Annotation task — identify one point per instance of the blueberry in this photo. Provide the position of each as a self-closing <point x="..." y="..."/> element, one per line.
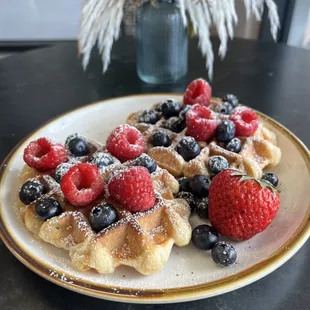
<point x="188" y="148"/>
<point x="224" y="108"/>
<point x="176" y="124"/>
<point x="225" y="131"/>
<point x="216" y="164"/>
<point x="77" y="145"/>
<point x="202" y="208"/>
<point x="232" y="99"/>
<point x="184" y="110"/>
<point x="30" y="191"/>
<point x="272" y="178"/>
<point x="224" y="253"/>
<point x="47" y="208"/>
<point x="184" y="185"/>
<point x="170" y="107"/>
<point x="158" y="107"/>
<point x="60" y="171"/>
<point x="160" y="138"/>
<point x="101" y="160"/>
<point x="200" y="185"/>
<point x="233" y="145"/>
<point x="102" y="216"/>
<point x="148" y="116"/>
<point x="145" y="161"/>
<point x="204" y="237"/>
<point x="189" y="197"/>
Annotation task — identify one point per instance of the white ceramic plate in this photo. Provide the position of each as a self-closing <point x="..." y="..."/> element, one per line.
<point x="190" y="273"/>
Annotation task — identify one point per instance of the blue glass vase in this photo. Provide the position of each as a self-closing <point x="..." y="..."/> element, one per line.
<point x="162" y="43"/>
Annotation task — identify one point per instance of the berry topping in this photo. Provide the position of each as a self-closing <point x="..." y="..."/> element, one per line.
<point x="223" y="253"/>
<point x="43" y="154"/>
<point x="216" y="164"/>
<point x="202" y="208"/>
<point x="133" y="189"/>
<point x="245" y="120"/>
<point x="102" y="160"/>
<point x="102" y="216"/>
<point x="241" y="207"/>
<point x="82" y="184"/>
<point x="175" y="124"/>
<point x="232" y="99"/>
<point x="158" y="107"/>
<point x="160" y="138"/>
<point x="233" y="145"/>
<point x="184" y="185"/>
<point x="271" y="178"/>
<point x="189" y="198"/>
<point x="198" y="91"/>
<point x="47" y="208"/>
<point x="77" y="145"/>
<point x="200" y="185"/>
<point x="224" y="108"/>
<point x="145" y="161"/>
<point x="188" y="148"/>
<point x="125" y="143"/>
<point x="184" y="111"/>
<point x="171" y="107"/>
<point x="148" y="116"/>
<point x="30" y="191"/>
<point x="201" y="123"/>
<point x="204" y="237"/>
<point x="225" y="131"/>
<point x="61" y="170"/>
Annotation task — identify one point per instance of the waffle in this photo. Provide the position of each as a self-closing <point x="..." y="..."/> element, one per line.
<point x="142" y="240"/>
<point x="258" y="151"/>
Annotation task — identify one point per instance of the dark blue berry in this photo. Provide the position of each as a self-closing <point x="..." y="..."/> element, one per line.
<point x="224" y="253"/>
<point x="30" y="191"/>
<point x="202" y="208"/>
<point x="175" y="124"/>
<point x="158" y="107"/>
<point x="160" y="138"/>
<point x="224" y="108"/>
<point x="170" y="107"/>
<point x="232" y="99"/>
<point x="148" y="116"/>
<point x="47" y="208"/>
<point x="184" y="185"/>
<point x="184" y="110"/>
<point x="216" y="164"/>
<point x="225" y="131"/>
<point x="204" y="237"/>
<point x="77" y="145"/>
<point x="145" y="161"/>
<point x="189" y="198"/>
<point x="200" y="185"/>
<point x="233" y="145"/>
<point x="272" y="178"/>
<point x="61" y="170"/>
<point x="102" y="216"/>
<point x="188" y="148"/>
<point x="102" y="160"/>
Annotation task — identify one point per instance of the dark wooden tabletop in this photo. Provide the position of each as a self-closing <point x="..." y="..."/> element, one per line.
<point x="39" y="85"/>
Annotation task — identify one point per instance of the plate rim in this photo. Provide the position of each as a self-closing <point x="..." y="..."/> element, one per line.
<point x="170" y="295"/>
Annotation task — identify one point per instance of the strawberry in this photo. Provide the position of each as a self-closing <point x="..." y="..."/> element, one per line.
<point x="241" y="207"/>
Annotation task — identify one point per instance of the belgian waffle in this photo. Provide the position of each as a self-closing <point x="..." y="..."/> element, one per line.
<point x="257" y="152"/>
<point x="142" y="240"/>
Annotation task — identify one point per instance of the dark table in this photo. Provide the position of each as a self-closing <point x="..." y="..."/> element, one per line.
<point x="38" y="85"/>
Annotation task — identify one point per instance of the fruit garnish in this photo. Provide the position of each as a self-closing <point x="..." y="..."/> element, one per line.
<point x="188" y="148"/>
<point x="198" y="92"/>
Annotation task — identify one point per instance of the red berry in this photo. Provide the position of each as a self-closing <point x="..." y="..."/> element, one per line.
<point x="241" y="208"/>
<point x="82" y="184"/>
<point x="125" y="143"/>
<point x="201" y="123"/>
<point x="133" y="189"/>
<point x="43" y="154"/>
<point x="245" y="120"/>
<point x="199" y="91"/>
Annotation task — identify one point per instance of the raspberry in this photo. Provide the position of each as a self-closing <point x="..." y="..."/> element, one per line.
<point x="125" y="143"/>
<point x="198" y="91"/>
<point x="43" y="154"/>
<point x="133" y="189"/>
<point x="82" y="184"/>
<point x="201" y="123"/>
<point x="245" y="120"/>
